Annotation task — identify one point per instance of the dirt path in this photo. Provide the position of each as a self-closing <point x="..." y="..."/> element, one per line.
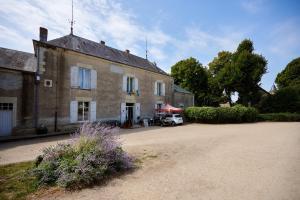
<point x="249" y="161"/>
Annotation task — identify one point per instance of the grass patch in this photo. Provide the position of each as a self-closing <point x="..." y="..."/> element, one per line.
<point x="16" y="182"/>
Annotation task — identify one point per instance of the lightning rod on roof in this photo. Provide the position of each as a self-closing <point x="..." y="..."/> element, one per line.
<point x="146" y="49"/>
<point x="72" y="22"/>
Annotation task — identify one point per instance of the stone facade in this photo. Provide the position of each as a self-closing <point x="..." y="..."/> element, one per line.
<point x="56" y="67"/>
<point x="71" y="79"/>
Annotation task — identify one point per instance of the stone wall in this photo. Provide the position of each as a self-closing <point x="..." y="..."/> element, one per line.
<point x="183" y="100"/>
<point x="17" y="87"/>
<point x="57" y="63"/>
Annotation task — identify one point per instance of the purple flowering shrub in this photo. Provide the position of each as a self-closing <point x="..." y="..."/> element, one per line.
<point x="93" y="153"/>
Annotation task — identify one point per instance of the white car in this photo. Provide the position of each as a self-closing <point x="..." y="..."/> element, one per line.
<point x="172" y="119"/>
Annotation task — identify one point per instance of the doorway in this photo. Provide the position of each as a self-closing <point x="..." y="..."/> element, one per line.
<point x="129" y="114"/>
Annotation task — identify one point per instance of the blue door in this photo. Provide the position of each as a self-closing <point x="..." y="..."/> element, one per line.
<point x="6" y="118"/>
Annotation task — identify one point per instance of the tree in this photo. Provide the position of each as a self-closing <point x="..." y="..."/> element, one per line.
<point x="219" y="69"/>
<point x="240" y="72"/>
<point x="191" y="75"/>
<point x="290" y="76"/>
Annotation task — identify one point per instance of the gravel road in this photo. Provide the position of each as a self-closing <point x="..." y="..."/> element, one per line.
<point x="196" y="161"/>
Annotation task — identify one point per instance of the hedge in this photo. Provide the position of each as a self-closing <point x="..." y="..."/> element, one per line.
<point x="279" y="117"/>
<point x="236" y="114"/>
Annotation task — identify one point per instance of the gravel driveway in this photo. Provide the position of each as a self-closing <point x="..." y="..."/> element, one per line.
<point x="243" y="161"/>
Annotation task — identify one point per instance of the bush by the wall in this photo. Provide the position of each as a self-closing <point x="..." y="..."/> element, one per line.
<point x="279" y="117"/>
<point x="236" y="114"/>
<point x="92" y="155"/>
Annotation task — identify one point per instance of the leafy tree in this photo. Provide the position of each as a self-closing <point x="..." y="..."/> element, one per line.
<point x="286" y="99"/>
<point x="191" y="75"/>
<point x="219" y="62"/>
<point x="290" y="76"/>
<point x="247" y="69"/>
<point x="220" y="71"/>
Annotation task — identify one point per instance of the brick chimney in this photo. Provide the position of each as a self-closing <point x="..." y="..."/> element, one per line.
<point x="102" y="42"/>
<point x="127" y="51"/>
<point x="43" y="34"/>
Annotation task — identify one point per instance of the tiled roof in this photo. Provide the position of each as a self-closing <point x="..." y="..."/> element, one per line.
<point x="82" y="45"/>
<point x="17" y="60"/>
<point x="181" y="90"/>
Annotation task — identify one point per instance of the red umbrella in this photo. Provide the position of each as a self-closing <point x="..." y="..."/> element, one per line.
<point x="169" y="108"/>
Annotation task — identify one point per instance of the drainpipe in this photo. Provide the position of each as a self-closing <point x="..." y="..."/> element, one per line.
<point x="56" y="92"/>
<point x="36" y="96"/>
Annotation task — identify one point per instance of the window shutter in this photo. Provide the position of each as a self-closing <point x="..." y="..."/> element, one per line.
<point x="136" y="84"/>
<point x="163" y="89"/>
<point x="93" y="79"/>
<point x="93" y="111"/>
<point x="123" y="113"/>
<point x="155" y="88"/>
<point x="73" y="111"/>
<point x="137" y="111"/>
<point x="124" y="83"/>
<point x="74" y="77"/>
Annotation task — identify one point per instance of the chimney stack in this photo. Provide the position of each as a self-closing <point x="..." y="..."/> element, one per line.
<point x="43" y="34"/>
<point x="127" y="51"/>
<point x="102" y="42"/>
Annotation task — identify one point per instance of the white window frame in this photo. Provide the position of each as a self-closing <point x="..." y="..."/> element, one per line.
<point x="159" y="88"/>
<point x="130" y="84"/>
<point x="84" y="114"/>
<point x="84" y="78"/>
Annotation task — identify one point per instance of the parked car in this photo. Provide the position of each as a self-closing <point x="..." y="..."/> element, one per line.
<point x="172" y="119"/>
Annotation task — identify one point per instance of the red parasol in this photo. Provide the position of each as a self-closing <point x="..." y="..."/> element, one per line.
<point x="169" y="108"/>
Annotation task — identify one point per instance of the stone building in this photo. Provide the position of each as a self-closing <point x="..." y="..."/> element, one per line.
<point x="182" y="98"/>
<point x="71" y="79"/>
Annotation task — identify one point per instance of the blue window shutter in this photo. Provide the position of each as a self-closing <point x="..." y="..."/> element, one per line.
<point x="74" y="76"/>
<point x="93" y="79"/>
<point x="93" y="111"/>
<point x="73" y="111"/>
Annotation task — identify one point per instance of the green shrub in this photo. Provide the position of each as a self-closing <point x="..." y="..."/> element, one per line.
<point x="279" y="117"/>
<point x="92" y="154"/>
<point x="284" y="100"/>
<point x="236" y="114"/>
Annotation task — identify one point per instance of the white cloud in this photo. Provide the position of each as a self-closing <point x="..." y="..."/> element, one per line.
<point x="108" y="20"/>
<point x="253" y="6"/>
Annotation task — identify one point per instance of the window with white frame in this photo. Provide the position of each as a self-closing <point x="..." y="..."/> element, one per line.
<point x="159" y="89"/>
<point x="83" y="110"/>
<point x="130" y="84"/>
<point x="84" y="78"/>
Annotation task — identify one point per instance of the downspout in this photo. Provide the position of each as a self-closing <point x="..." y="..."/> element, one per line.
<point x="55" y="112"/>
<point x="36" y="97"/>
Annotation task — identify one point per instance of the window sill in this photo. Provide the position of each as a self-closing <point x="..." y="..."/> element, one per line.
<point x="81" y="88"/>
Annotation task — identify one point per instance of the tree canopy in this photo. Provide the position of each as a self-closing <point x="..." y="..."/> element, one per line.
<point x="240" y="71"/>
<point x="290" y="76"/>
<point x="191" y="75"/>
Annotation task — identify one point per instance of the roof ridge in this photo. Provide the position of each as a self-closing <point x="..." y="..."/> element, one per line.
<point x="16" y="50"/>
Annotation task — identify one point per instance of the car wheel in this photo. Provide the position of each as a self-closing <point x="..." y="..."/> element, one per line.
<point x="173" y="123"/>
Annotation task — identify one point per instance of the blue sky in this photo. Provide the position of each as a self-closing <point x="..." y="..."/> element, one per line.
<point x="175" y="29"/>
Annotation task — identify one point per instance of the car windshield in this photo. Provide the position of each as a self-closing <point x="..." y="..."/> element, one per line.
<point x="177" y="115"/>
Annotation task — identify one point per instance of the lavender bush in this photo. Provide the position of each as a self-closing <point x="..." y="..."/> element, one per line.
<point x="93" y="153"/>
